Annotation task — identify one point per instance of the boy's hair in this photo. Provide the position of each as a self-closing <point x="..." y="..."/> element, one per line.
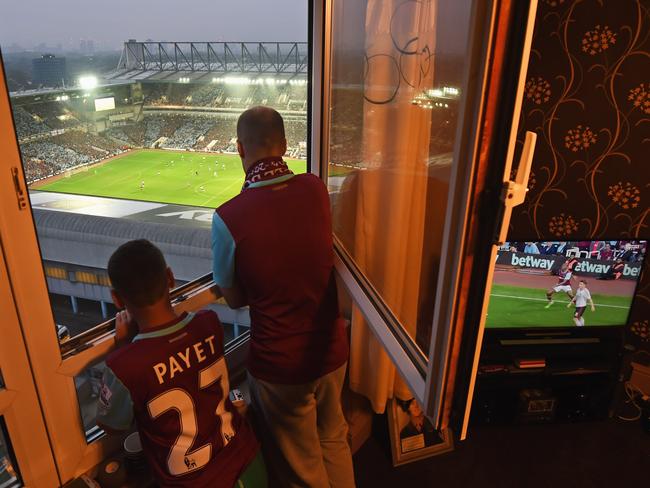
<point x="138" y="272"/>
<point x="583" y="281"/>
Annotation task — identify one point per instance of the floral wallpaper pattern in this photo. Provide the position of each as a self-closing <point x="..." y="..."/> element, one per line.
<point x="587" y="97"/>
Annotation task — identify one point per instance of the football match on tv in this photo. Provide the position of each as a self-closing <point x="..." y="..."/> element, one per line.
<point x="564" y="284"/>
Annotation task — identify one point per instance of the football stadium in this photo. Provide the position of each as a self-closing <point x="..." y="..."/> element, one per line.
<point x="148" y="148"/>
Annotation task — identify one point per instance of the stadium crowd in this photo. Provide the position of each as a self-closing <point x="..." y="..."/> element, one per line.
<point x="53" y="141"/>
<point x="62" y="152"/>
<point x="280" y="97"/>
<point x="625" y="251"/>
<point x="28" y="125"/>
<point x="188" y="133"/>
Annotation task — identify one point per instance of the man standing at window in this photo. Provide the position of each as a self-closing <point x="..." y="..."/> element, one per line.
<point x="272" y="248"/>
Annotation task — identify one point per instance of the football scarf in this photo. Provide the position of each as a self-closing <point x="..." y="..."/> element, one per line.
<point x="266" y="169"/>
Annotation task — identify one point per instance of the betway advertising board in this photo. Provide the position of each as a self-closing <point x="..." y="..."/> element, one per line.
<point x="551" y="262"/>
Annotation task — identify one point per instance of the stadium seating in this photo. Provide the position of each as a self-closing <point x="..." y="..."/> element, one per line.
<point x="53" y="139"/>
<point x="62" y="152"/>
<point x="27" y="125"/>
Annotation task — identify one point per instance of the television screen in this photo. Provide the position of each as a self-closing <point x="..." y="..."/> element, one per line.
<point x="104" y="104"/>
<point x="564" y="284"/>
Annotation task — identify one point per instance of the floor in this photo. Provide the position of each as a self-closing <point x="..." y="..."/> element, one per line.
<point x="591" y="454"/>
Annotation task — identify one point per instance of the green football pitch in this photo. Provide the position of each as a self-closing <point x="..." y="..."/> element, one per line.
<point x="512" y="306"/>
<point x="186" y="178"/>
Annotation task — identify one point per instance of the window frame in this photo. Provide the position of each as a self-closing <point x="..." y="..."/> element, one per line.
<point x="429" y="383"/>
<point x="53" y="368"/>
<point x="20" y="412"/>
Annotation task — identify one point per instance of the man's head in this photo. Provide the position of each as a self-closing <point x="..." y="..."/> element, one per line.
<point x="139" y="275"/>
<point x="260" y="134"/>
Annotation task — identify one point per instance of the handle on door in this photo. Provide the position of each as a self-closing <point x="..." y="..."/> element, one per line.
<point x="514" y="192"/>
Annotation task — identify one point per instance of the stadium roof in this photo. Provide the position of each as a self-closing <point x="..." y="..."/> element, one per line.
<point x="67" y="235"/>
<point x="262" y="58"/>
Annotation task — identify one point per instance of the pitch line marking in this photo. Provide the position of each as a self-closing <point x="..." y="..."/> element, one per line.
<point x="545" y="300"/>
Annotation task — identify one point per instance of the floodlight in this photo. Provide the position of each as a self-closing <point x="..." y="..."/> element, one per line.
<point x="237" y="80"/>
<point x="88" y="82"/>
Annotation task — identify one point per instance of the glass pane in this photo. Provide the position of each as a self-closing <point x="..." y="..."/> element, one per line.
<point x="9" y="475"/>
<point x="396" y="92"/>
<point x="88" y="385"/>
<point x="122" y="139"/>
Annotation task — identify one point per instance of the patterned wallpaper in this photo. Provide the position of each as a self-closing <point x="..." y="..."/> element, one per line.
<point x="587" y="97"/>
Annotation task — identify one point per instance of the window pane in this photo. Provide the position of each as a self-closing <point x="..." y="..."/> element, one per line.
<point x="395" y="97"/>
<point x="122" y="139"/>
<point x="9" y="475"/>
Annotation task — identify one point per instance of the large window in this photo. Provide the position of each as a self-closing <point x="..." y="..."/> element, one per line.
<point x="122" y="125"/>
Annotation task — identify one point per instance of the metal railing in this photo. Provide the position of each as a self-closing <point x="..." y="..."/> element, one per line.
<point x="200" y="286"/>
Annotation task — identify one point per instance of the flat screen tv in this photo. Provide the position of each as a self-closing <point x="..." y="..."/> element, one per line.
<point x="554" y="284"/>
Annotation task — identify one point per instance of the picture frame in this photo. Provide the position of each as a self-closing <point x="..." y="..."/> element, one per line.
<point x="412" y="437"/>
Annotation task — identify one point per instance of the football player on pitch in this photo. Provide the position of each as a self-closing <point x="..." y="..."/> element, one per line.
<point x="172" y="379"/>
<point x="581" y="298"/>
<point x="563" y="284"/>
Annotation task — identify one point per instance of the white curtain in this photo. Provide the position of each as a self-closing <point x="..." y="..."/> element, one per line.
<point x="386" y="234"/>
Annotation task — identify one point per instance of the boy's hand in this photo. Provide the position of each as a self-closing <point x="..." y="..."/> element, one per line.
<point x="569" y="304"/>
<point x="593" y="309"/>
<point x="125" y="327"/>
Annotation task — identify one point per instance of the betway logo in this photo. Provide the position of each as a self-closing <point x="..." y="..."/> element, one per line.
<point x="532" y="262"/>
<point x="587" y="267"/>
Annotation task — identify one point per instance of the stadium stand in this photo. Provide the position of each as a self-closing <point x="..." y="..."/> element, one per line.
<point x="53" y="114"/>
<point x="189" y="132"/>
<point x="58" y="135"/>
<point x="48" y="158"/>
<point x="62" y="152"/>
<point x="28" y="125"/>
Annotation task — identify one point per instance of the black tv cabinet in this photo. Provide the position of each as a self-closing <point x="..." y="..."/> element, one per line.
<point x="576" y="382"/>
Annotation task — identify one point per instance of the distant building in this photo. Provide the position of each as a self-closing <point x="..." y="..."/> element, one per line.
<point x="48" y="70"/>
<point x="87" y="46"/>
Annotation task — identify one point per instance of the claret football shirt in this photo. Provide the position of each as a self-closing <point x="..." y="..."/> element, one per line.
<point x="174" y="382"/>
<point x="275" y="240"/>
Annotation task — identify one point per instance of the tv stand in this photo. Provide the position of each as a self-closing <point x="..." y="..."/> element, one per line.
<point x="554" y="375"/>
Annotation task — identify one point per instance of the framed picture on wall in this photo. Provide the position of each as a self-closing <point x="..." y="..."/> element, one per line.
<point x="412" y="436"/>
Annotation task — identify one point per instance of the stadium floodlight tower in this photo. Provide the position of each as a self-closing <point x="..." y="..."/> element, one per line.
<point x="88" y="82"/>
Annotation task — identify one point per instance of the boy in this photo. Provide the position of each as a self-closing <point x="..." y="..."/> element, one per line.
<point x="563" y="284"/>
<point x="581" y="298"/>
<point x="172" y="378"/>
